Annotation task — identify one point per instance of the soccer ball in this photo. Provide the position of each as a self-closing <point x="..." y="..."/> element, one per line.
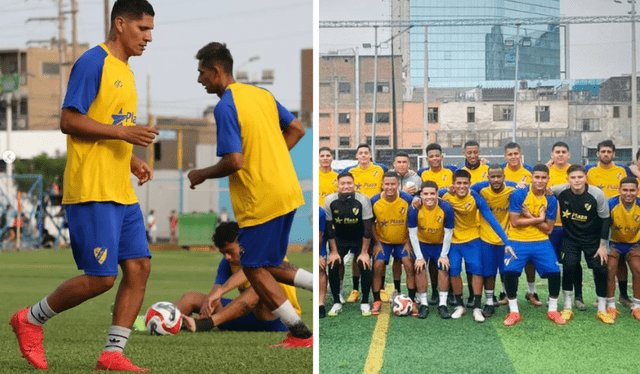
<point x="402" y="305"/>
<point x="163" y="318"/>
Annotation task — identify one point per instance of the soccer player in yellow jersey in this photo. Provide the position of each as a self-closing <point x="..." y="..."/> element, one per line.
<point x="390" y="209"/>
<point x="327" y="178"/>
<point x="255" y="134"/>
<point x="106" y="225"/>
<point x="437" y="172"/>
<point x="625" y="235"/>
<point x="472" y="162"/>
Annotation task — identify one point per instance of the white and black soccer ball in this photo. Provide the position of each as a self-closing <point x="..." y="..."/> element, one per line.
<point x="402" y="305"/>
<point x="163" y="318"/>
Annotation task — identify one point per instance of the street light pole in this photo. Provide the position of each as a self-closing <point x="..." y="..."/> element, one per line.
<point x="515" y="85"/>
<point x="634" y="84"/>
<point x="375" y="95"/>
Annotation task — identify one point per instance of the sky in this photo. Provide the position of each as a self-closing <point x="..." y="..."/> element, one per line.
<point x="275" y="30"/>
<point x="596" y="50"/>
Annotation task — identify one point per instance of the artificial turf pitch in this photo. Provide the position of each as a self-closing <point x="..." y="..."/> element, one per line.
<point x="535" y="345"/>
<point x="74" y="339"/>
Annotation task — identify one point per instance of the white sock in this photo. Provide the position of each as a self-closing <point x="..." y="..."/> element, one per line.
<point x="602" y="304"/>
<point x="443" y="298"/>
<point x="303" y="279"/>
<point x="636" y="303"/>
<point x="117" y="338"/>
<point x="611" y="302"/>
<point x="489" y="295"/>
<point x="40" y="313"/>
<point x="513" y="306"/>
<point x="531" y="287"/>
<point x="287" y="314"/>
<point x="502" y="289"/>
<point x="423" y="299"/>
<point x="553" y="305"/>
<point x="568" y="299"/>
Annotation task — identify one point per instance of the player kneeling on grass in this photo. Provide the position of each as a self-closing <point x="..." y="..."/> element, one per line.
<point x="244" y="313"/>
<point x="532" y="214"/>
<point x="625" y="234"/>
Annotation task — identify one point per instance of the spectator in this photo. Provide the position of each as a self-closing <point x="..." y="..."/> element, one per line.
<point x="152" y="228"/>
<point x="173" y="223"/>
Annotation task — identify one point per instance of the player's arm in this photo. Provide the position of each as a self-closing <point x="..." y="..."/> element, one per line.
<point x="141" y="170"/>
<point x="293" y="133"/>
<point x="605" y="216"/>
<point x="485" y="211"/>
<point x="366" y="240"/>
<point x="229" y="164"/>
<point x="377" y="248"/>
<point x="81" y="126"/>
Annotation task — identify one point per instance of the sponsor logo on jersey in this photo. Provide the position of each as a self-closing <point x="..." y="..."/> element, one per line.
<point x="119" y="118"/>
<point x="467" y="206"/>
<point x="566" y="214"/>
<point x="439" y="219"/>
<point x="402" y="210"/>
<point x="100" y="254"/>
<point x="118" y="83"/>
<point x="375" y="173"/>
<point x="384" y="223"/>
<point x="636" y="218"/>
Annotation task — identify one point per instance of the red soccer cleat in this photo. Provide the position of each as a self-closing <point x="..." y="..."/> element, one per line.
<point x="556" y="318"/>
<point x="293" y="342"/>
<point x="115" y="361"/>
<point x="512" y="319"/>
<point x="29" y="338"/>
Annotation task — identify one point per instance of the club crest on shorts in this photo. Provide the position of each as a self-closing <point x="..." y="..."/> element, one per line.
<point x="100" y="254"/>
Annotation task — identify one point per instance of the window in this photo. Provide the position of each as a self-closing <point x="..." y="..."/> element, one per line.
<point x="327" y="138"/>
<point x="383" y="87"/>
<point x="380" y="118"/>
<point x="344" y="87"/>
<point x="629" y="112"/>
<point x="616" y="112"/>
<point x="542" y="114"/>
<point x="380" y="140"/>
<point x="471" y="114"/>
<point x="345" y="141"/>
<point x="433" y="115"/>
<point x="589" y="124"/>
<point x="325" y="115"/>
<point x="344" y="118"/>
<point x="502" y="112"/>
<point x="50" y="68"/>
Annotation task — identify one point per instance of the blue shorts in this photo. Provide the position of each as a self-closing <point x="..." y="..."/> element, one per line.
<point x="431" y="252"/>
<point x="556" y="240"/>
<point x="471" y="252"/>
<point x="622" y="248"/>
<point x="265" y="244"/>
<point x="323" y="246"/>
<point x="492" y="259"/>
<point x="250" y="322"/>
<point x="396" y="250"/>
<point x="541" y="254"/>
<point x="103" y="234"/>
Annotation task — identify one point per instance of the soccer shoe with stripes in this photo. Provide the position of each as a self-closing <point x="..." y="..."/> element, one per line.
<point x="567" y="314"/>
<point x="365" y="309"/>
<point x="414" y="309"/>
<point x="533" y="299"/>
<point x="613" y="312"/>
<point x="335" y="310"/>
<point x="115" y="361"/>
<point x="512" y="319"/>
<point x="459" y="312"/>
<point x="635" y="313"/>
<point x="29" y="339"/>
<point x="293" y="342"/>
<point x="605" y="318"/>
<point x="383" y="295"/>
<point x="353" y="296"/>
<point x="477" y="315"/>
<point x="377" y="308"/>
<point x="556" y="318"/>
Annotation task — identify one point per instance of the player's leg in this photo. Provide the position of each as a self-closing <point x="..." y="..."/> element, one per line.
<point x="433" y="276"/>
<point x="355" y="277"/>
<point x="512" y="269"/>
<point x="322" y="279"/>
<point x="491" y="256"/>
<point x="571" y="254"/>
<point x="532" y="291"/>
<point x="544" y="259"/>
<point x="443" y="292"/>
<point x="600" y="280"/>
<point x="633" y="259"/>
<point x="334" y="279"/>
<point x="472" y="253"/>
<point x="379" y="267"/>
<point x="366" y="275"/>
<point x="612" y="268"/>
<point x="190" y="302"/>
<point x="622" y="282"/>
<point x="288" y="273"/>
<point x="407" y="261"/>
<point x="455" y="258"/>
<point x="397" y="276"/>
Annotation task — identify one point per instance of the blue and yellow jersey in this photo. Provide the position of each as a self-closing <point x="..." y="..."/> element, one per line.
<point x="250" y="121"/>
<point x="226" y="270"/>
<point x="391" y="217"/>
<point x="608" y="180"/>
<point x="368" y="181"/>
<point x="525" y="198"/>
<point x="478" y="174"/>
<point x="103" y="88"/>
<point x="625" y="225"/>
<point x="558" y="176"/>
<point x="523" y="174"/>
<point x="322" y="228"/>
<point x="327" y="184"/>
<point x="431" y="223"/>
<point x="499" y="205"/>
<point x="443" y="177"/>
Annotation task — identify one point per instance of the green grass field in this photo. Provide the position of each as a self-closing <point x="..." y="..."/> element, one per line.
<point x="74" y="339"/>
<point x="535" y="345"/>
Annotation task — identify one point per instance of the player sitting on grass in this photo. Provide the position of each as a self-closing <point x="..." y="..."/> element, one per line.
<point x="244" y="313"/>
<point x="625" y="234"/>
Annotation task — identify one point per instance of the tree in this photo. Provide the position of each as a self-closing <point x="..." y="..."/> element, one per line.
<point x="51" y="169"/>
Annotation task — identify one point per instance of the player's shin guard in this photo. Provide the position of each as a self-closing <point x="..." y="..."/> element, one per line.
<point x="554" y="285"/>
<point x="511" y="285"/>
<point x="366" y="275"/>
<point x="600" y="278"/>
<point x="334" y="282"/>
<point x="577" y="281"/>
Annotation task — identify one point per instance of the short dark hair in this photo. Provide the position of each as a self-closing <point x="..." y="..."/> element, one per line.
<point x="434" y="146"/>
<point x="495" y="166"/>
<point x="461" y="173"/>
<point x="638" y="154"/>
<point x="576" y="167"/>
<point x="607" y="143"/>
<point x="632" y="180"/>
<point x="345" y="174"/>
<point x="429" y="183"/>
<point x="363" y="145"/>
<point x="471" y="143"/>
<point x="402" y="154"/>
<point x="512" y="145"/>
<point x="131" y="9"/>
<point x="541" y="167"/>
<point x="226" y="232"/>
<point x="559" y="144"/>
<point x="325" y="149"/>
<point x="391" y="174"/>
<point x="216" y="53"/>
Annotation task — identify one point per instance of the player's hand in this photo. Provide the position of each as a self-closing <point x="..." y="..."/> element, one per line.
<point x="543" y="213"/>
<point x="365" y="260"/>
<point x="196" y="177"/>
<point x="410" y="190"/>
<point x="139" y="135"/>
<point x="521" y="185"/>
<point x="549" y="163"/>
<point x="323" y="263"/>
<point x="420" y="265"/>
<point x="512" y="255"/>
<point x="189" y="323"/>
<point x="525" y="213"/>
<point x="444" y="263"/>
<point x="416" y="203"/>
<point x="141" y="170"/>
<point x="333" y="258"/>
<point x="377" y="249"/>
<point x="602" y="253"/>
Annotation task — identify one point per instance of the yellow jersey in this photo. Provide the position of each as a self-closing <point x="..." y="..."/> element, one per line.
<point x="391" y="217"/>
<point x="525" y="198"/>
<point x="327" y="184"/>
<point x="443" y="177"/>
<point x="625" y="224"/>
<point x="431" y="223"/>
<point x="499" y="205"/>
<point x="368" y="181"/>
<point x="478" y="174"/>
<point x="608" y="180"/>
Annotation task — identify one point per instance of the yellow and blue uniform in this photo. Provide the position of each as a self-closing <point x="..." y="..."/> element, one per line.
<point x="322" y="218"/>
<point x="327" y="184"/>
<point x="249" y="322"/>
<point x="105" y="221"/>
<point x="478" y="174"/>
<point x="625" y="226"/>
<point x="368" y="181"/>
<point x="443" y="177"/>
<point x="557" y="176"/>
<point x="523" y="174"/>
<point x="431" y="225"/>
<point x="529" y="242"/>
<point x="265" y="193"/>
<point x="608" y="180"/>
<point x="391" y="224"/>
<point x="466" y="232"/>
